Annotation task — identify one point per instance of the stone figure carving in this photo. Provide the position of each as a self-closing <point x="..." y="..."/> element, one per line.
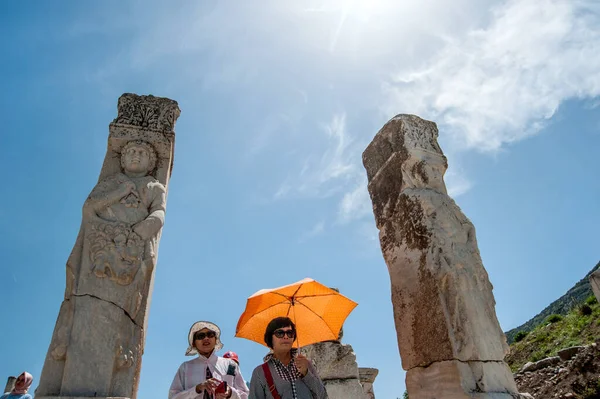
<point x="449" y="338"/>
<point x="98" y="340"/>
<point x="124" y="212"/>
<point x="148" y="112"/>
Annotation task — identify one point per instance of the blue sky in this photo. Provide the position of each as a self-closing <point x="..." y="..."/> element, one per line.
<point x="278" y="100"/>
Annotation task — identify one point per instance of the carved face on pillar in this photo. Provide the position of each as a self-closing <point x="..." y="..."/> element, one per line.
<point x="138" y="158"/>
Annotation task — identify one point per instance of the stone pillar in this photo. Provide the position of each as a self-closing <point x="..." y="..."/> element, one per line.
<point x="10" y="384"/>
<point x="449" y="338"/>
<point x="367" y="378"/>
<point x="595" y="283"/>
<point x="336" y="365"/>
<point x="97" y="345"/>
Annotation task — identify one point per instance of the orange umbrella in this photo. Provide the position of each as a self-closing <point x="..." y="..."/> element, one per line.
<point x="317" y="311"/>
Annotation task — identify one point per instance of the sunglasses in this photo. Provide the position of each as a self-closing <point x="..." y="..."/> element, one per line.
<point x="202" y="335"/>
<point x="282" y="333"/>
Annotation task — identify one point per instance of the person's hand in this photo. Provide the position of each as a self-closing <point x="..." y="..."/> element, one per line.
<point x="208" y="385"/>
<point x="224" y="395"/>
<point x="302" y="364"/>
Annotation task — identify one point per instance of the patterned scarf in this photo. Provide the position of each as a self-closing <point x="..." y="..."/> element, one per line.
<point x="288" y="373"/>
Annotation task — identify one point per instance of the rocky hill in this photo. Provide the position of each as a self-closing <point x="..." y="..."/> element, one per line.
<point x="561" y="306"/>
<point x="574" y="374"/>
<point x="557" y="353"/>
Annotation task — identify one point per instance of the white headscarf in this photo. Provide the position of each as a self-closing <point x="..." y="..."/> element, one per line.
<point x="197" y="326"/>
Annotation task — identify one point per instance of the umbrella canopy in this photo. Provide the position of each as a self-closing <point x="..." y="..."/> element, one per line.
<point x="317" y="311"/>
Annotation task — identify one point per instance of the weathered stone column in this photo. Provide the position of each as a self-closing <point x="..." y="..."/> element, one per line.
<point x="367" y="379"/>
<point x="450" y="340"/>
<point x="336" y="365"/>
<point x="10" y="384"/>
<point x="98" y="342"/>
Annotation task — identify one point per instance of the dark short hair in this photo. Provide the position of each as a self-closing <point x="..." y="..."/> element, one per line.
<point x="275" y="324"/>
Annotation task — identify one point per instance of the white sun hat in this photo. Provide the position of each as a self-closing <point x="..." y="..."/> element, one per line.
<point x="197" y="326"/>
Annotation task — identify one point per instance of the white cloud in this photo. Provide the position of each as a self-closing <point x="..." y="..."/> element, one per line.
<point x="356" y="203"/>
<point x="501" y="84"/>
<point x="457" y="183"/>
<point x="316" y="230"/>
<point x="328" y="170"/>
<point x="487" y="78"/>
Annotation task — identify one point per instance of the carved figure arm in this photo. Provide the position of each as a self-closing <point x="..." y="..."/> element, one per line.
<point x="150" y="226"/>
<point x="102" y="197"/>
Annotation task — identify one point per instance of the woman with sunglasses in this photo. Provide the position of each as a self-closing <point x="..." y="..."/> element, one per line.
<point x="22" y="385"/>
<point x="208" y="376"/>
<point x="286" y="374"/>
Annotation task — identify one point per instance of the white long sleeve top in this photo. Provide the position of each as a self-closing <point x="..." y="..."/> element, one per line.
<point x="193" y="372"/>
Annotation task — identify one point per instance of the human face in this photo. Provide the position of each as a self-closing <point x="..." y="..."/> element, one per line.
<point x="284" y="343"/>
<point x="137" y="159"/>
<point x="206" y="345"/>
<point x="20" y="382"/>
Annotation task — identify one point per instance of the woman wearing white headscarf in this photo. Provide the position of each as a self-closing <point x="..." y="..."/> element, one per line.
<point x="200" y="378"/>
<point x="21" y="387"/>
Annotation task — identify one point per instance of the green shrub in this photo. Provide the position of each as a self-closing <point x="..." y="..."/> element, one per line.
<point x="520" y="335"/>
<point x="405" y="395"/>
<point x="553" y="318"/>
<point x="584" y="309"/>
<point x="591" y="300"/>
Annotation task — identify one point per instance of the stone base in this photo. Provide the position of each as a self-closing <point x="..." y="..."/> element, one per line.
<point x="462" y="380"/>
<point x="344" y="389"/>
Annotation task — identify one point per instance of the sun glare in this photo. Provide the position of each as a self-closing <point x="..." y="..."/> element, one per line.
<point x="363" y="8"/>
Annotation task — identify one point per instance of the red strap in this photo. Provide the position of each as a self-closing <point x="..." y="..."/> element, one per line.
<point x="270" y="382"/>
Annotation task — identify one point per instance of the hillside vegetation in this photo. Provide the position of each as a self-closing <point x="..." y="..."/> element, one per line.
<point x="580" y="326"/>
<point x="562" y="306"/>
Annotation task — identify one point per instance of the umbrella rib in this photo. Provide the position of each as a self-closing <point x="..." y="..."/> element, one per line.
<point x="319" y="295"/>
<point x="320" y="317"/>
<point x="294" y="294"/>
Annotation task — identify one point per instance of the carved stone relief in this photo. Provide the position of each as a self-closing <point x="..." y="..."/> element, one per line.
<point x="111" y="267"/>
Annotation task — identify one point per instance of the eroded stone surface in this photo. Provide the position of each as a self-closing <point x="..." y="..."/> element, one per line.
<point x="444" y="308"/>
<point x="568" y="353"/>
<point x="98" y="340"/>
<point x="367" y="378"/>
<point x="333" y="360"/>
<point x="10" y="383"/>
<point x="595" y="283"/>
<point x="344" y="389"/>
<point x="456" y="379"/>
<point x="336" y="365"/>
